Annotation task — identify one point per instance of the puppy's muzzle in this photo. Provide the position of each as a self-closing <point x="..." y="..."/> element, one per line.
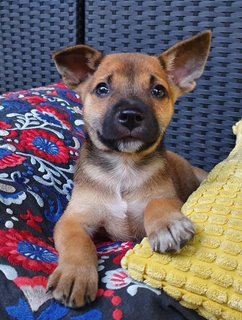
<point x="129" y="124"/>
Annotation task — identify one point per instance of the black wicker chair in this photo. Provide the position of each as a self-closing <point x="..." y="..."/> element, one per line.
<point x="30" y="31"/>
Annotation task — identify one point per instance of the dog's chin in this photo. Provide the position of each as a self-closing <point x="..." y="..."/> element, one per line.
<point x="129" y="145"/>
<point x="125" y="144"/>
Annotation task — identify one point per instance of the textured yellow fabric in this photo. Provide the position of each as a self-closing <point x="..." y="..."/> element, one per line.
<point x="207" y="273"/>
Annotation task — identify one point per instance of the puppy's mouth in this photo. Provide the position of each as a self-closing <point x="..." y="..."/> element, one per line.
<point x="126" y="143"/>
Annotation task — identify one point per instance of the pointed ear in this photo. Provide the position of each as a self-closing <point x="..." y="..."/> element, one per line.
<point x="185" y="61"/>
<point x="76" y="63"/>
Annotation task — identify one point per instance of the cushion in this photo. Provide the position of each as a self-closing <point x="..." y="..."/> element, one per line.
<point x="207" y="274"/>
<point x="41" y="131"/>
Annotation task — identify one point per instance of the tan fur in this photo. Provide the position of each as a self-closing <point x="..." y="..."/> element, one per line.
<point x="129" y="193"/>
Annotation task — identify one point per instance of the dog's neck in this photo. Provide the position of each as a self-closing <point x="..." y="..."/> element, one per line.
<point x="118" y="170"/>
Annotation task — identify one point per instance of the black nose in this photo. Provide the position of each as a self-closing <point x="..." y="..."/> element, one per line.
<point x="131" y="118"/>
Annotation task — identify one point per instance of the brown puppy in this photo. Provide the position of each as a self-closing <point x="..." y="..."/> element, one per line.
<point x="125" y="181"/>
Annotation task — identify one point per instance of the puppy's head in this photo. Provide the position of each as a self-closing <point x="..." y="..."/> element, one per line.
<point x="129" y="98"/>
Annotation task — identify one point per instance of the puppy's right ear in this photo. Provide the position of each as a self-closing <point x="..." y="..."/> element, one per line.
<point x="76" y="63"/>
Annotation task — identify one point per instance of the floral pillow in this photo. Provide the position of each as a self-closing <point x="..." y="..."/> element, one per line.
<point x="41" y="132"/>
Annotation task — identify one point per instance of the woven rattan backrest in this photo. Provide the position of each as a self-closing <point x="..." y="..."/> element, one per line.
<point x="30" y="31"/>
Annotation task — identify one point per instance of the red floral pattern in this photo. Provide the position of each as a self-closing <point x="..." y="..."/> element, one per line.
<point x="45" y="145"/>
<point x="21" y="248"/>
<point x="32" y="282"/>
<point x="116" y="301"/>
<point x="32" y="221"/>
<point x="10" y="159"/>
<point x="62" y="117"/>
<point x="4" y="125"/>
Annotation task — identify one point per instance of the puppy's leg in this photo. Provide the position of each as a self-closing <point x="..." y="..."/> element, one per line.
<point x="75" y="281"/>
<point x="166" y="227"/>
<point x="200" y="174"/>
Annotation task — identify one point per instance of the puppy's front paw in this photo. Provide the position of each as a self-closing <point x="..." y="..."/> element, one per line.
<point x="74" y="286"/>
<point x="173" y="236"/>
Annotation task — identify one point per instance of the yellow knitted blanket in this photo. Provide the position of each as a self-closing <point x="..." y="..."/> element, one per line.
<point x="207" y="273"/>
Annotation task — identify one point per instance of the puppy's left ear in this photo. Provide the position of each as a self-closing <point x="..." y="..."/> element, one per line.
<point x="76" y="63"/>
<point x="185" y="62"/>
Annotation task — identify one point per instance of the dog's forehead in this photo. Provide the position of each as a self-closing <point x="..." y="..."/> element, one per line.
<point x="131" y="63"/>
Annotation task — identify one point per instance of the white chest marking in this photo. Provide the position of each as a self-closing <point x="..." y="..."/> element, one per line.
<point x="118" y="207"/>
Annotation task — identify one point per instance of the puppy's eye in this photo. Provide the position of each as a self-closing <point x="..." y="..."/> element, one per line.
<point x="158" y="91"/>
<point x="102" y="89"/>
